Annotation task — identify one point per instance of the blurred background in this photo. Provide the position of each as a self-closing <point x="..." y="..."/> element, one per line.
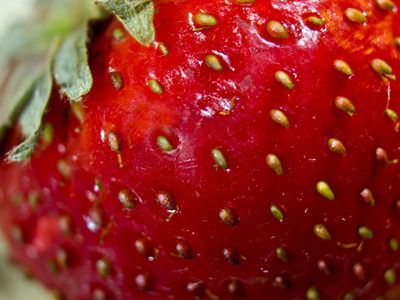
<point x="14" y="285"/>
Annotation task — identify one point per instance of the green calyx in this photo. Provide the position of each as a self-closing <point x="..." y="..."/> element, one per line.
<point x="53" y="44"/>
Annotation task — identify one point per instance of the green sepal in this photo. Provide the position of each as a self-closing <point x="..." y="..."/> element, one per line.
<point x="32" y="119"/>
<point x="136" y="15"/>
<point x="70" y="66"/>
<point x="20" y="84"/>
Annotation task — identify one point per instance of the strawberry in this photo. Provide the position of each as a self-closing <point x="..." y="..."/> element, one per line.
<point x="223" y="149"/>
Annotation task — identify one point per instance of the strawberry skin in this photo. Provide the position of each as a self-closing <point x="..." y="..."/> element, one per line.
<point x="234" y="166"/>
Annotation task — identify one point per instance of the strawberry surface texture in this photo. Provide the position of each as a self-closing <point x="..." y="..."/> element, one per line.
<point x="251" y="151"/>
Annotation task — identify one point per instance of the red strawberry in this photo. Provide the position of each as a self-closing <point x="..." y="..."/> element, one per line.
<point x="249" y="151"/>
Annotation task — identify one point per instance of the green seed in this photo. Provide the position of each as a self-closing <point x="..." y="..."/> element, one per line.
<point x="312" y="294"/>
<point x="355" y="16"/>
<point x="48" y="134"/>
<point x="274" y="163"/>
<point x="365" y="232"/>
<point x="119" y="34"/>
<point x="116" y="80"/>
<point x="163" y="49"/>
<point x="77" y="110"/>
<point x="34" y="199"/>
<point x="284" y="79"/>
<point x="386" y="4"/>
<point x="345" y="104"/>
<point x="103" y="267"/>
<point x="336" y="146"/>
<point x="277" y="30"/>
<point x="213" y="62"/>
<point x="281" y="253"/>
<point x="279" y="117"/>
<point x="394" y="244"/>
<point x="390" y="277"/>
<point x="276" y="212"/>
<point x="367" y="197"/>
<point x="381" y="67"/>
<point x="391" y="114"/>
<point x="204" y="19"/>
<point x="64" y="168"/>
<point x="164" y="144"/>
<point x="342" y="67"/>
<point x="316" y="21"/>
<point x="155" y="86"/>
<point x="324" y="189"/>
<point x="321" y="232"/>
<point x="219" y="158"/>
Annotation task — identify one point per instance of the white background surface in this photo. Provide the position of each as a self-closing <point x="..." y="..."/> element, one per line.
<point x="13" y="283"/>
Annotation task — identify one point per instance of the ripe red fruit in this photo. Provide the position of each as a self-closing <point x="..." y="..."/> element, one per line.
<point x="250" y="151"/>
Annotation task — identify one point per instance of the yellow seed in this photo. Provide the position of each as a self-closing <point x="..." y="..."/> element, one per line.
<point x="244" y="1"/>
<point x="276" y="212"/>
<point x="321" y="232"/>
<point x="365" y="232"/>
<point x="103" y="267"/>
<point x="316" y="21"/>
<point x="390" y="277"/>
<point x="386" y="4"/>
<point x="324" y="189"/>
<point x="381" y="67"/>
<point x="394" y="244"/>
<point x="396" y="41"/>
<point x="163" y="49"/>
<point x="77" y="110"/>
<point x="274" y="163"/>
<point x="155" y="86"/>
<point x="219" y="158"/>
<point x="281" y="253"/>
<point x="342" y="67"/>
<point x="354" y="15"/>
<point x="64" y="168"/>
<point x="277" y="30"/>
<point x="312" y="294"/>
<point x="213" y="62"/>
<point x="284" y="79"/>
<point x="336" y="146"/>
<point x="381" y="156"/>
<point x="114" y="140"/>
<point x="204" y="19"/>
<point x="228" y="216"/>
<point x="119" y="34"/>
<point x="164" y="143"/>
<point x="345" y="104"/>
<point x="391" y="114"/>
<point x="367" y="197"/>
<point x="279" y="117"/>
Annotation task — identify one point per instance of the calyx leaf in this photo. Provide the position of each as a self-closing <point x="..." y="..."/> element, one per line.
<point x="71" y="68"/>
<point x="136" y="15"/>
